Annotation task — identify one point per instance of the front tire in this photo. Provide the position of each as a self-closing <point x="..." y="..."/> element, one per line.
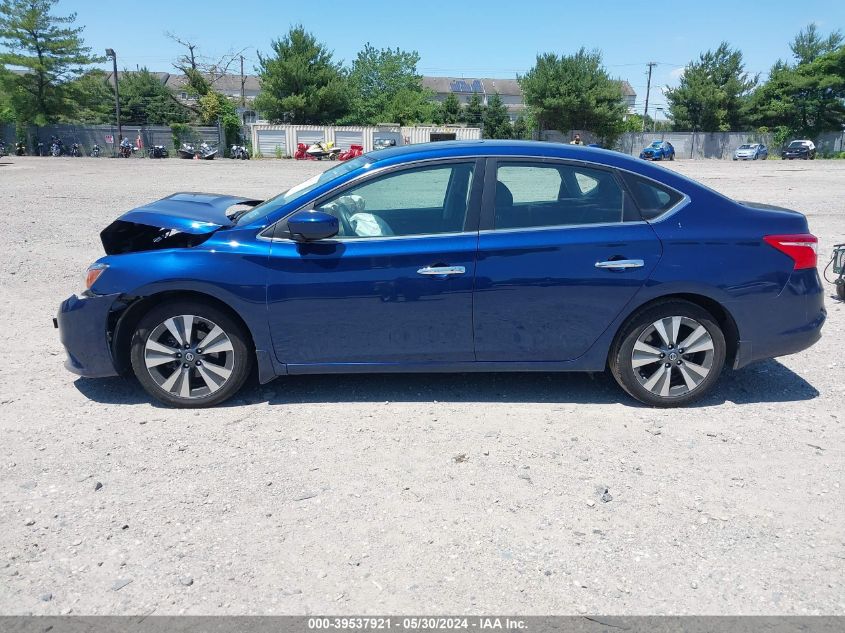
<point x="190" y="354"/>
<point x="840" y="291"/>
<point x="668" y="355"/>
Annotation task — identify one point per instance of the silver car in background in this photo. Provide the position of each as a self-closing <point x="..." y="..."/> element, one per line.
<point x="751" y="151"/>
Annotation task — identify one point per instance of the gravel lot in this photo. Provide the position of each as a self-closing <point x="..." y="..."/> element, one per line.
<point x="397" y="494"/>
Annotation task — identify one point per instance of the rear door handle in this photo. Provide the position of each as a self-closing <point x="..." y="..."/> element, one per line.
<point x="442" y="270"/>
<point x="621" y="263"/>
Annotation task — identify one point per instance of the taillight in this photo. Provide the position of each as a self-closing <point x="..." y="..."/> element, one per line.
<point x="801" y="247"/>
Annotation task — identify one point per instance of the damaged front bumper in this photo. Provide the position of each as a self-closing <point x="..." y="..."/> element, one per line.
<point x="83" y="329"/>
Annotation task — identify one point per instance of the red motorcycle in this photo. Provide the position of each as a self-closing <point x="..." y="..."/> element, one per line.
<point x="353" y="152"/>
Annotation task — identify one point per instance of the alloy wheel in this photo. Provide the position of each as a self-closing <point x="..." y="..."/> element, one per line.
<point x="672" y="356"/>
<point x="189" y="356"/>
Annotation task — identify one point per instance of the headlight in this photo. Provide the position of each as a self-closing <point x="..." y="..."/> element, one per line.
<point x="94" y="272"/>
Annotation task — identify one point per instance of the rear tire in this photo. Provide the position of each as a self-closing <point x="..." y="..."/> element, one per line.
<point x="669" y="354"/>
<point x="840" y="291"/>
<point x="171" y="363"/>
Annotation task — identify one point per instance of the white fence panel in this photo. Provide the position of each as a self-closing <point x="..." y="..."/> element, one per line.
<point x="269" y="140"/>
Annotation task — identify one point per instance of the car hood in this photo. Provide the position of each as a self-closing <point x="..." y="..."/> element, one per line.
<point x="154" y="225"/>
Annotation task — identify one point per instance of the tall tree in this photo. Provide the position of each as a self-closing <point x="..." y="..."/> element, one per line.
<point x="497" y="123"/>
<point x="300" y="82"/>
<point x="378" y="78"/>
<point x="712" y="93"/>
<point x="51" y="52"/>
<point x="473" y="113"/>
<point x="146" y="101"/>
<point x="803" y="100"/>
<point x="410" y="107"/>
<point x="574" y="92"/>
<point x="7" y="113"/>
<point x="90" y="99"/>
<point x="809" y="44"/>
<point x="521" y="129"/>
<point x="450" y="110"/>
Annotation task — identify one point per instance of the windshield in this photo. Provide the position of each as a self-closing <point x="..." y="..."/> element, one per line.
<point x="796" y="144"/>
<point x="746" y="147"/>
<point x="303" y="188"/>
<point x="656" y="143"/>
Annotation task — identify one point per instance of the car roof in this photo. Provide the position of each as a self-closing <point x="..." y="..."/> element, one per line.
<point x="490" y="147"/>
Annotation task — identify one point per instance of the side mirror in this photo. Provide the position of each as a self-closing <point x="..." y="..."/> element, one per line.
<point x="308" y="226"/>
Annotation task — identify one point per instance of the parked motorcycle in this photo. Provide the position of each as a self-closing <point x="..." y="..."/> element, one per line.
<point x="353" y="152"/>
<point x="20" y="149"/>
<point x="239" y="152"/>
<point x="75" y="150"/>
<point x="57" y="147"/>
<point x="158" y="151"/>
<point x="203" y="152"/>
<point x="95" y="151"/>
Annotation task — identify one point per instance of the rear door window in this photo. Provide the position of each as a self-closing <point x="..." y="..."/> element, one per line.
<point x="653" y="199"/>
<point x="547" y="194"/>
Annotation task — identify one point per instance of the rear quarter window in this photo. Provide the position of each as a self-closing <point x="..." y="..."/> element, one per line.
<point x="652" y="198"/>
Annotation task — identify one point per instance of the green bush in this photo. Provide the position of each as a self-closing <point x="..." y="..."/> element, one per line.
<point x="183" y="133"/>
<point x="279" y="152"/>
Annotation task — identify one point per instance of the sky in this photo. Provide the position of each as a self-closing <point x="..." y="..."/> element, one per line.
<point x="464" y="38"/>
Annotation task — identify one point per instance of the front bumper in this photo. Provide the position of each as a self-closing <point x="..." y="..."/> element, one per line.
<point x="83" y="329"/>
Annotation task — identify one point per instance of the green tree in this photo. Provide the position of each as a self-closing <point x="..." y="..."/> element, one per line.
<point x="497" y="123"/>
<point x="7" y="113"/>
<point x="90" y="99"/>
<point x="574" y="92"/>
<point x="473" y="113"/>
<point x="410" y="107"/>
<point x="713" y="92"/>
<point x="521" y="129"/>
<point x="378" y="78"/>
<point x="803" y="100"/>
<point x="809" y="44"/>
<point x="214" y="107"/>
<point x="300" y="82"/>
<point x="51" y="52"/>
<point x="450" y="110"/>
<point x="144" y="100"/>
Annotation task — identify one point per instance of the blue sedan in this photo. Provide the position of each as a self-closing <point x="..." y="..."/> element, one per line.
<point x="658" y="150"/>
<point x="449" y="257"/>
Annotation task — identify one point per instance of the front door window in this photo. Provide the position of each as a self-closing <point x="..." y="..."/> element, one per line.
<point x="418" y="201"/>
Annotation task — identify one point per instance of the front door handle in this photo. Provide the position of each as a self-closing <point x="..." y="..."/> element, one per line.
<point x="442" y="270"/>
<point x="621" y="263"/>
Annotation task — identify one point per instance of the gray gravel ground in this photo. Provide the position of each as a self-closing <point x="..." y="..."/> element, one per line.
<point x="396" y="494"/>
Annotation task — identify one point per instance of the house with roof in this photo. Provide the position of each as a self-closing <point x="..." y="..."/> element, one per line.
<point x="509" y="90"/>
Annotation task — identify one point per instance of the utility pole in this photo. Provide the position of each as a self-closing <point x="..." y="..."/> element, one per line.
<point x="243" y="82"/>
<point x="647" y="91"/>
<point x="110" y="53"/>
